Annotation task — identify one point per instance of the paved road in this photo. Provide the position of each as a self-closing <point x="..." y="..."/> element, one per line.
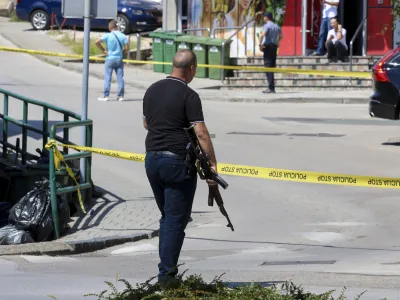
<point x="320" y="236"/>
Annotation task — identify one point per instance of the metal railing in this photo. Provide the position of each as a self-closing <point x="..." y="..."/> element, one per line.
<point x="239" y="28"/>
<point x="352" y="41"/>
<point x="45" y="134"/>
<point x="198" y="29"/>
<point x="139" y="36"/>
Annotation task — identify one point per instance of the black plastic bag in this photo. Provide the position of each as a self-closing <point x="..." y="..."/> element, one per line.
<point x="9" y="235"/>
<point x="30" y="210"/>
<point x="4" y="212"/>
<point x="33" y="213"/>
<point x="45" y="230"/>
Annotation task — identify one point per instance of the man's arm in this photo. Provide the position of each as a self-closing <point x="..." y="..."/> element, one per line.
<point x="145" y="123"/>
<point x="126" y="46"/>
<point x="206" y="143"/>
<point x="339" y="32"/>
<point x="194" y="112"/>
<point x="100" y="46"/>
<point x="263" y="34"/>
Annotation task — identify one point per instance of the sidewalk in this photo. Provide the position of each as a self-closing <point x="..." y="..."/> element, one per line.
<point x="141" y="77"/>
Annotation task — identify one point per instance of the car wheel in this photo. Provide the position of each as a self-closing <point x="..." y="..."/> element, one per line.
<point x="123" y="24"/>
<point x="40" y="20"/>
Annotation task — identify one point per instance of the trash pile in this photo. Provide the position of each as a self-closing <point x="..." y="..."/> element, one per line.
<point x="31" y="220"/>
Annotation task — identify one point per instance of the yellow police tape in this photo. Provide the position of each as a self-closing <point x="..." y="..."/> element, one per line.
<point x="260" y="172"/>
<point x="240" y="68"/>
<point x="58" y="158"/>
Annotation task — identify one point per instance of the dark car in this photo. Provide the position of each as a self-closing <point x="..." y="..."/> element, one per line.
<point x="133" y="15"/>
<point x="385" y="101"/>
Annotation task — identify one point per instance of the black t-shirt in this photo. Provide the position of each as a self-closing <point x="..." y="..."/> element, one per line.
<point x="170" y="105"/>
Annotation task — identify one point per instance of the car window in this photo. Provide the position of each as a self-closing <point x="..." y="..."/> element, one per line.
<point x="394" y="61"/>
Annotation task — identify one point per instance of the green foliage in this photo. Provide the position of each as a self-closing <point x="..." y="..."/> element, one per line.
<point x="193" y="287"/>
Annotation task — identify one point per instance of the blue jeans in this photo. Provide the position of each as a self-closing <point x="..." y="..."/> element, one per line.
<point x="323" y="34"/>
<point x="109" y="66"/>
<point x="174" y="191"/>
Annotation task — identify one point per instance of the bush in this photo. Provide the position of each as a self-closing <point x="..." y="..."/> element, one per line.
<point x="193" y="287"/>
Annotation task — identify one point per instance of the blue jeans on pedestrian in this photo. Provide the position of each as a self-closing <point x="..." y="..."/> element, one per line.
<point x="174" y="191"/>
<point x="323" y="34"/>
<point x="109" y="66"/>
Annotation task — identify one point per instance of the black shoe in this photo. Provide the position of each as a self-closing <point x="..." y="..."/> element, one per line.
<point x="269" y="91"/>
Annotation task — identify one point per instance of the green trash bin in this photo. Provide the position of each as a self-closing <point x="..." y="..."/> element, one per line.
<point x="170" y="49"/>
<point x="184" y="42"/>
<point x="199" y="47"/>
<point x="158" y="50"/>
<point x="215" y="57"/>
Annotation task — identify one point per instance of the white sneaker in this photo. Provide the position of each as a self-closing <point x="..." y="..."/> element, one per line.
<point x="103" y="98"/>
<point x="121" y="99"/>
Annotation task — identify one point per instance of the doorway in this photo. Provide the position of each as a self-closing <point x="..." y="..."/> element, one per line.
<point x="351" y="15"/>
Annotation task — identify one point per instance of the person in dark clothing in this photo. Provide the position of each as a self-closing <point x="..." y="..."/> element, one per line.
<point x="336" y="42"/>
<point x="169" y="106"/>
<point x="269" y="42"/>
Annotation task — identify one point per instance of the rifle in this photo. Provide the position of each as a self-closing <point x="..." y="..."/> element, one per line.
<point x="206" y="173"/>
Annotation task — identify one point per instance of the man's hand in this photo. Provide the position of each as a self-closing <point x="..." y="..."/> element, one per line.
<point x="261" y="47"/>
<point x="212" y="182"/>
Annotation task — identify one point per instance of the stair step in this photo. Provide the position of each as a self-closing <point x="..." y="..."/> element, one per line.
<point x="247" y="75"/>
<point x="340" y="68"/>
<point x="300" y="60"/>
<point x="280" y="88"/>
<point x="306" y="82"/>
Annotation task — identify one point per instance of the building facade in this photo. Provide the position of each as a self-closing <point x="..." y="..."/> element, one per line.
<point x="373" y="18"/>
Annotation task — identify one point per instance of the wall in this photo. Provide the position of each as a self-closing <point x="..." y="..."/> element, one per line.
<point x="234" y="13"/>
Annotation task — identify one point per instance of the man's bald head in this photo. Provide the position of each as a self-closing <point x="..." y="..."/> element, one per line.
<point x="113" y="25"/>
<point x="185" y="59"/>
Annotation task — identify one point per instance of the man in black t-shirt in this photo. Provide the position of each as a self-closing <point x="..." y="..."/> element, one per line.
<point x="169" y="106"/>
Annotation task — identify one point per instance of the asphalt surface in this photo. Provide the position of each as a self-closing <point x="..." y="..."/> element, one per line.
<point x="320" y="236"/>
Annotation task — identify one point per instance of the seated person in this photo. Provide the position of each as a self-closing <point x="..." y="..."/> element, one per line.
<point x="336" y="42"/>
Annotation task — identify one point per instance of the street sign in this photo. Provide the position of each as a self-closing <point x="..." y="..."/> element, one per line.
<point x="100" y="9"/>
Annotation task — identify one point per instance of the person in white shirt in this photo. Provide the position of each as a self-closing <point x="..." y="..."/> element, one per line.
<point x="329" y="11"/>
<point x="336" y="42"/>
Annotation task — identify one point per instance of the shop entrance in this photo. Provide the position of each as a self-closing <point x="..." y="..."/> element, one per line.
<point x="351" y="15"/>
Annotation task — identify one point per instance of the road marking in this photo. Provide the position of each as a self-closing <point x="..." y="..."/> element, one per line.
<point x="271" y="249"/>
<point x="323" y="237"/>
<point x="339" y="224"/>
<point x="133" y="249"/>
<point x="48" y="259"/>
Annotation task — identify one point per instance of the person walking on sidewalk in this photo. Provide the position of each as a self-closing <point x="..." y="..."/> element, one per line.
<point x="117" y="46"/>
<point x="329" y="11"/>
<point x="169" y="106"/>
<point x="269" y="42"/>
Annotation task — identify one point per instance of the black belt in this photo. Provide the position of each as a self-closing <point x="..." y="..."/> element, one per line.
<point x="165" y="153"/>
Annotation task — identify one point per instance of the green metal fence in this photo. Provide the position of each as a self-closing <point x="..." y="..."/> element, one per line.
<point x="44" y="131"/>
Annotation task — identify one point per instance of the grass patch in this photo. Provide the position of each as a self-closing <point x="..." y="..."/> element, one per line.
<point x="77" y="45"/>
<point x="193" y="287"/>
<point x="14" y="18"/>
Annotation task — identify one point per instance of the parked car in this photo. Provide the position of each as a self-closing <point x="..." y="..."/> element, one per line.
<point x="133" y="15"/>
<point x="385" y="101"/>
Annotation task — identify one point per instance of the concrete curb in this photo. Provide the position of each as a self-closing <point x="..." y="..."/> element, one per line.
<point x="72" y="247"/>
<point x="298" y="100"/>
<point x="262" y="99"/>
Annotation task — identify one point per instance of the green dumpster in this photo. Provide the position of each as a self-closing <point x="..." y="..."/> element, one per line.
<point x="215" y="57"/>
<point x="170" y="49"/>
<point x="158" y="50"/>
<point x="184" y="42"/>
<point x="199" y="47"/>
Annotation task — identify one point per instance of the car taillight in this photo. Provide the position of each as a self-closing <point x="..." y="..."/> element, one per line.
<point x="18" y="1"/>
<point x="380" y="74"/>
